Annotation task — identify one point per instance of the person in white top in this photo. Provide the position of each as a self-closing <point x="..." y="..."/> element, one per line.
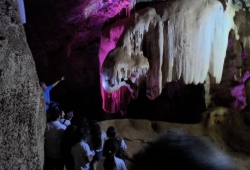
<point x="65" y="121"/>
<point x="110" y="161"/>
<point x="122" y="151"/>
<point x="53" y="135"/>
<point x="81" y="152"/>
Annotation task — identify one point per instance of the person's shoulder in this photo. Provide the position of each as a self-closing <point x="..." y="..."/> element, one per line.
<point x="118" y="160"/>
<point x="104" y="133"/>
<point x="67" y="122"/>
<point x="84" y="144"/>
<point x="60" y="125"/>
<point x="120" y="163"/>
<point x="49" y="87"/>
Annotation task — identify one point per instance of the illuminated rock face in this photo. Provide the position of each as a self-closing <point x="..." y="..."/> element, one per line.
<point x="22" y="105"/>
<point x="179" y="39"/>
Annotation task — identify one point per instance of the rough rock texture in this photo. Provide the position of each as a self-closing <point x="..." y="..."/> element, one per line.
<point x="235" y="67"/>
<point x="65" y="40"/>
<point x="226" y="128"/>
<point x="193" y="49"/>
<point x="180" y="39"/>
<point x="22" y="108"/>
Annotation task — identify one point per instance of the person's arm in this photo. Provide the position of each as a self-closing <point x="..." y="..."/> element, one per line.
<point x="54" y="84"/>
<point x="89" y="158"/>
<point x="88" y="154"/>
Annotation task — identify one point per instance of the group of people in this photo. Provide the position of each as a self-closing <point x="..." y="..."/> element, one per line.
<point x="83" y="146"/>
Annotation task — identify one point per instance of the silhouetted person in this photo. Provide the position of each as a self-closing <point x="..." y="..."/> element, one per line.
<point x="68" y="140"/>
<point x="96" y="139"/>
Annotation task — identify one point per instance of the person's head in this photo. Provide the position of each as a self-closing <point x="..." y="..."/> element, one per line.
<point x="43" y="85"/>
<point x="111" y="132"/>
<point x="80" y="134"/>
<point x="95" y="127"/>
<point x="96" y="134"/>
<point x="70" y="115"/>
<point x="109" y="150"/>
<point x="182" y="151"/>
<point x="82" y="122"/>
<point x="55" y="114"/>
<point x="62" y="114"/>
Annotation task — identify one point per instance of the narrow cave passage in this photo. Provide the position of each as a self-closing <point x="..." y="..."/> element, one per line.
<point x="178" y="102"/>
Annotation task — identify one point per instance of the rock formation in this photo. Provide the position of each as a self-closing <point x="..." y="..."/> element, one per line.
<point x="21" y="100"/>
<point x="186" y="40"/>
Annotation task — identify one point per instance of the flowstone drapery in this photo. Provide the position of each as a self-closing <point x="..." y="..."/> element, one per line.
<point x="178" y="39"/>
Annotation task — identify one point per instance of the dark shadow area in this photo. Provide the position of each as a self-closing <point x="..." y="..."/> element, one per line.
<point x="177" y="103"/>
<point x="181" y="151"/>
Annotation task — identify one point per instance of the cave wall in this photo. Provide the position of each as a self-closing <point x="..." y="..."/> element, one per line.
<point x="64" y="40"/>
<point x="22" y="108"/>
<point x="166" y="42"/>
<point x="67" y="44"/>
<point x="231" y="91"/>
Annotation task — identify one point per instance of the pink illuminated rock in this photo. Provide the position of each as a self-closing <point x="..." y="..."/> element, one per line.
<point x="178" y="39"/>
<point x="239" y="93"/>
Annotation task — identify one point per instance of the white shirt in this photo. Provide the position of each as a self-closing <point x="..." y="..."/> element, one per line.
<point x="53" y="135"/>
<point x="103" y="137"/>
<point x="120" y="165"/>
<point x="123" y="145"/>
<point x="80" y="151"/>
<point x="65" y="122"/>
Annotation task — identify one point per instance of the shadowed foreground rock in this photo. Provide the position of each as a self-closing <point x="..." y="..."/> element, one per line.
<point x="22" y="110"/>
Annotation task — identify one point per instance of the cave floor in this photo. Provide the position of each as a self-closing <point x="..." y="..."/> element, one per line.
<point x="138" y="133"/>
